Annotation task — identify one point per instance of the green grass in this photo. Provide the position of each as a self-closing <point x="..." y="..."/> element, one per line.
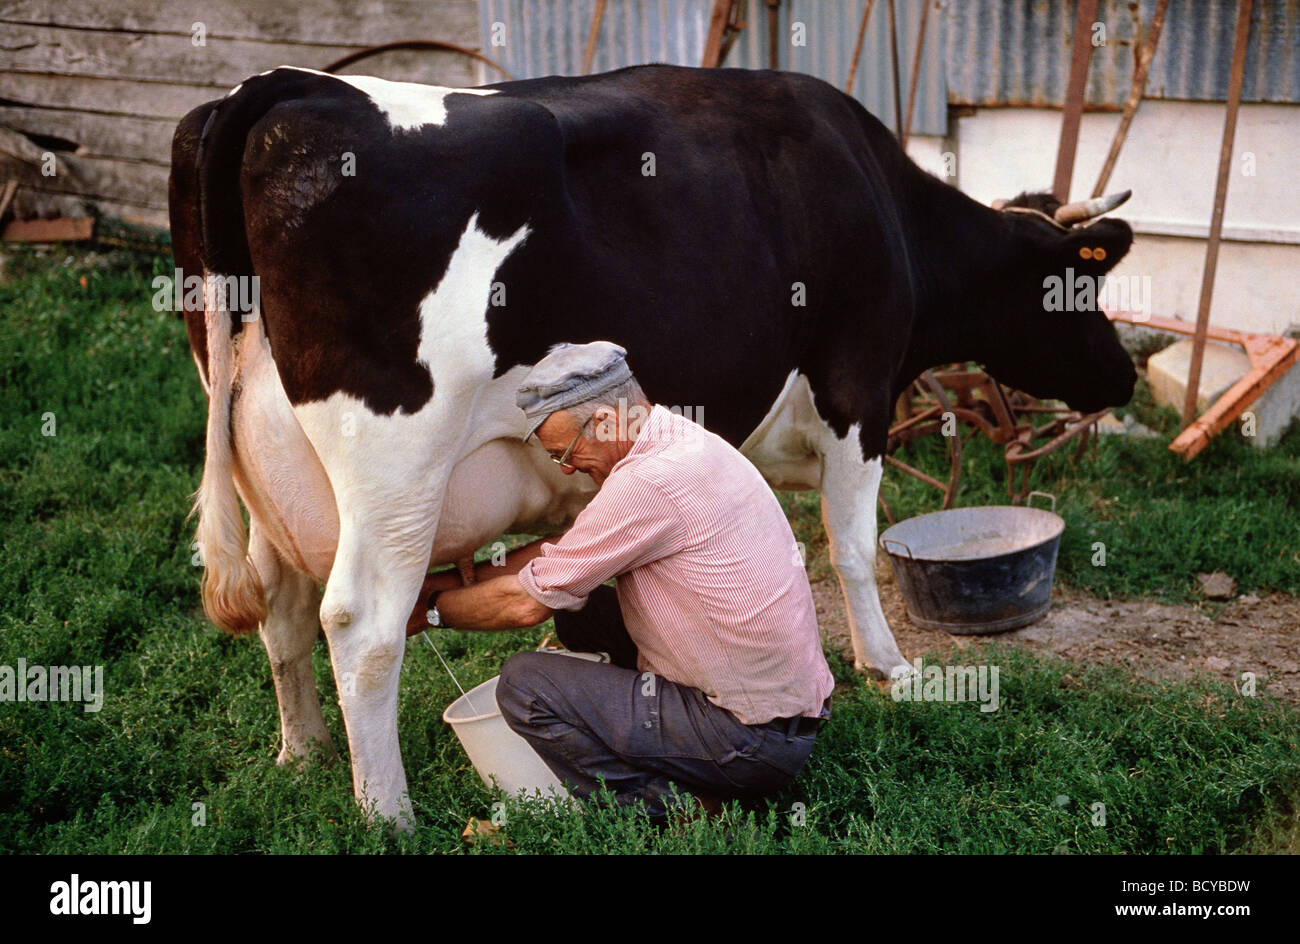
<point x="96" y="568"/>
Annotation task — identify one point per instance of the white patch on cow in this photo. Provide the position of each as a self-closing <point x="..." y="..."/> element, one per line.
<point x="389" y="476"/>
<point x="453" y="325"/>
<point x="794" y="448"/>
<point x="850" y="484"/>
<point x="281" y="480"/>
<point x="783" y="445"/>
<point x="406" y="105"/>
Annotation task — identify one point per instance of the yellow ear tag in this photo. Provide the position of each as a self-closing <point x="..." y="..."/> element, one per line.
<point x="1099" y="254"/>
<point x="1085" y="252"/>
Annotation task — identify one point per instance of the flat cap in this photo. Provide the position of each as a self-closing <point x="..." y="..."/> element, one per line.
<point x="570" y="374"/>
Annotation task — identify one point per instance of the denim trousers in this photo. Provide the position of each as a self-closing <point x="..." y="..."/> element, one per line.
<point x="651" y="740"/>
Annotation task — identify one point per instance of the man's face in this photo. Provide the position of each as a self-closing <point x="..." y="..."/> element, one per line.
<point x="595" y="456"/>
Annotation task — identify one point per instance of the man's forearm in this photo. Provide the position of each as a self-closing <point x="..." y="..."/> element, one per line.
<point x="485" y="573"/>
<point x="499" y="603"/>
<point x="513" y="563"/>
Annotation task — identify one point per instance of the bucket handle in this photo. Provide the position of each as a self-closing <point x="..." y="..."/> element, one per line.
<point x="887" y="541"/>
<point x="1029" y="499"/>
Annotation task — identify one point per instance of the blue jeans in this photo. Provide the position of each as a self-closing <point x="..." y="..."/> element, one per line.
<point x="649" y="738"/>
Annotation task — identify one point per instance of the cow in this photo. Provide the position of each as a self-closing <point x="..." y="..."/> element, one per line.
<point x="758" y="242"/>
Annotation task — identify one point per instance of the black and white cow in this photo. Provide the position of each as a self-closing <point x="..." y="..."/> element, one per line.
<point x="758" y="242"/>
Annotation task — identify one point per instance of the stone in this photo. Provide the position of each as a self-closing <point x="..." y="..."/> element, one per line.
<point x="1217" y="586"/>
<point x="1221" y="367"/>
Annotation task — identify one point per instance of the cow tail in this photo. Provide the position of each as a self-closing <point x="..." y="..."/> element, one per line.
<point x="233" y="595"/>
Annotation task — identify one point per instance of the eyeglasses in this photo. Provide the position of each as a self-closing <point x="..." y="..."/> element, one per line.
<point x="563" y="460"/>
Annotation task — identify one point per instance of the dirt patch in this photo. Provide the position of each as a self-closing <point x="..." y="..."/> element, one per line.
<point x="1249" y="634"/>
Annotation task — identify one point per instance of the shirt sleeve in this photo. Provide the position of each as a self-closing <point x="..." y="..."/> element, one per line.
<point x="629" y="524"/>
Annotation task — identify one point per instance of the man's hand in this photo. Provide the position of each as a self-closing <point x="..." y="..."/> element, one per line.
<point x="442" y="580"/>
<point x="483" y="573"/>
<point x="499" y="603"/>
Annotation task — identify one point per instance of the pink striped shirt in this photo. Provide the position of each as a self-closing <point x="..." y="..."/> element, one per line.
<point x="711" y="584"/>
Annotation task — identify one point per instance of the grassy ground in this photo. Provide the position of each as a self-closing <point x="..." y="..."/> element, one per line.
<point x="96" y="567"/>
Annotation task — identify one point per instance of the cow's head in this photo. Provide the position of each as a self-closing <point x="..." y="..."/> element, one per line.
<point x="1055" y="341"/>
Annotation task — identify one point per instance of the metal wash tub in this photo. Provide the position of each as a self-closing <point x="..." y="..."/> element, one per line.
<point x="976" y="570"/>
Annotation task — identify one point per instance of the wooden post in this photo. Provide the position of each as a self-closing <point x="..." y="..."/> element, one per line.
<point x="592" y="34"/>
<point x="857" y="48"/>
<point x="893" y="61"/>
<point x="1145" y="52"/>
<point x="1080" y="59"/>
<point x="773" y="24"/>
<point x="1241" y="37"/>
<point x="717" y="31"/>
<point x="916" y="73"/>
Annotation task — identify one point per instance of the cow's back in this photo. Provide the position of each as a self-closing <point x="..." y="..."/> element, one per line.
<point x="733" y="225"/>
<point x="726" y="226"/>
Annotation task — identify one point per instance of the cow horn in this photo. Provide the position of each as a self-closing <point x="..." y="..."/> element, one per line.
<point x="1082" y="210"/>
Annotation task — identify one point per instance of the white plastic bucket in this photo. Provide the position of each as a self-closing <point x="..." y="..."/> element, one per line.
<point x="496" y="752"/>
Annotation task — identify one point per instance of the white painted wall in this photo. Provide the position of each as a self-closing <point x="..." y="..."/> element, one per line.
<point x="1170" y="161"/>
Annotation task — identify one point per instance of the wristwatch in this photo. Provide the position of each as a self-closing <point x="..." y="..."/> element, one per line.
<point x="434" y="617"/>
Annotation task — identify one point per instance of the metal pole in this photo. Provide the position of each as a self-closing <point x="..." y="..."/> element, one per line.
<point x="893" y="61"/>
<point x="592" y="34"/>
<point x="1145" y="53"/>
<point x="717" y="32"/>
<point x="857" y="48"/>
<point x="1241" y="37"/>
<point x="1081" y="57"/>
<point x="773" y="24"/>
<point x="916" y="72"/>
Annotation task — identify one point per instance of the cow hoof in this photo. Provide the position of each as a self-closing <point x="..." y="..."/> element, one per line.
<point x="313" y="751"/>
<point x="398" y="823"/>
<point x="902" y="672"/>
<point x="870" y="671"/>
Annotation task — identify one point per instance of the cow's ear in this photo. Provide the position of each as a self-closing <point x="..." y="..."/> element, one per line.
<point x="1097" y="247"/>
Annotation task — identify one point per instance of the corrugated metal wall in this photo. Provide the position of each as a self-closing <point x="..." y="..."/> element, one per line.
<point x="547" y="37"/>
<point x="977" y="52"/>
<point x="1017" y="52"/>
<point x="830" y="33"/>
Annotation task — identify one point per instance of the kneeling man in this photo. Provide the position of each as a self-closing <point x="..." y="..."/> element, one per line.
<point x="717" y="681"/>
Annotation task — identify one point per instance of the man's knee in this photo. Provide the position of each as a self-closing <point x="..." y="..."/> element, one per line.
<point x="522" y="689"/>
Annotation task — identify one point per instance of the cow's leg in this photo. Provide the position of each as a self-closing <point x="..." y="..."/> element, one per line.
<point x="388" y="513"/>
<point x="368" y="598"/>
<point x="289" y="632"/>
<point x="849" y="486"/>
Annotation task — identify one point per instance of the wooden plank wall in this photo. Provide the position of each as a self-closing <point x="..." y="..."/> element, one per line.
<point x="100" y="86"/>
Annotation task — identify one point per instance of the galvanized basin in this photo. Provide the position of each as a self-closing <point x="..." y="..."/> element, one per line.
<point x="976" y="570"/>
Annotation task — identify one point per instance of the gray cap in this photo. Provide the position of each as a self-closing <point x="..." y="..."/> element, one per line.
<point x="568" y="375"/>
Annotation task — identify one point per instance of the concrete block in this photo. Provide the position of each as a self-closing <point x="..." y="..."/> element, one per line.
<point x="1222" y="367"/>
